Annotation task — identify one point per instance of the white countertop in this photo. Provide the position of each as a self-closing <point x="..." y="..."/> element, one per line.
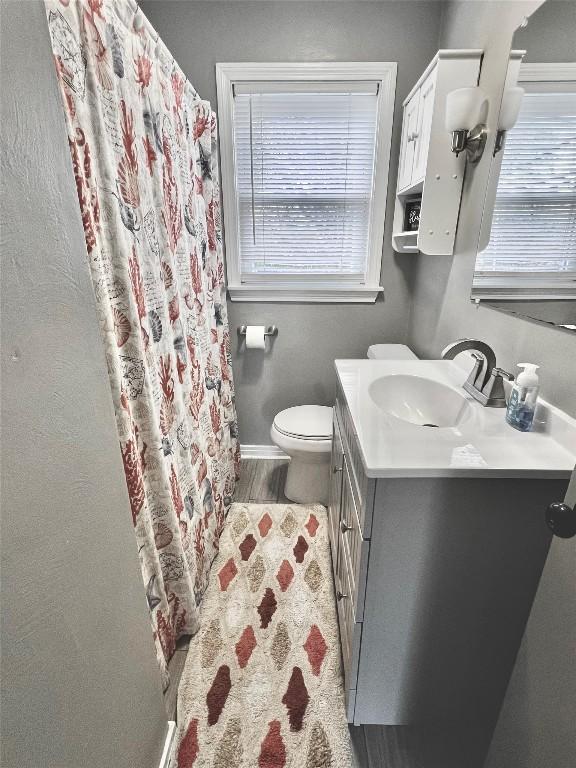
<point x="482" y="446"/>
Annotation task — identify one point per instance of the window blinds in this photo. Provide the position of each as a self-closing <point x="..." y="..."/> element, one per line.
<point x="304" y="166"/>
<point x="532" y="248"/>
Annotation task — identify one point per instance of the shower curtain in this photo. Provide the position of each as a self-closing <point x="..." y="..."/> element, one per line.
<point x="143" y="148"/>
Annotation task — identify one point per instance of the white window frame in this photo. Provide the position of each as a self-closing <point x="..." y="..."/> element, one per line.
<point x="514" y="286"/>
<point x="312" y="289"/>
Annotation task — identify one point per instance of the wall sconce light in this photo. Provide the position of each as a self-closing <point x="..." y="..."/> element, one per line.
<point x="463" y="108"/>
<point x="511" y="103"/>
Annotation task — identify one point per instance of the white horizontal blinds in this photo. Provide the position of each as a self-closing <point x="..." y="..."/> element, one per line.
<point x="304" y="164"/>
<point x="533" y="236"/>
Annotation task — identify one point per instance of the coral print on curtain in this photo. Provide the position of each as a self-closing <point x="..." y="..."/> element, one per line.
<point x="143" y="148"/>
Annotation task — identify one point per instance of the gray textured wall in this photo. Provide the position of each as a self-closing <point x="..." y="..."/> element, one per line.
<point x="299" y="369"/>
<point x="441" y="307"/>
<point x="550" y="34"/>
<point x="80" y="684"/>
<point x="536" y="725"/>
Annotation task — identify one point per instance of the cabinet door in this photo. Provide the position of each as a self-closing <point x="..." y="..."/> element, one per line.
<point x="335" y="490"/>
<point x="352" y="549"/>
<point x="350" y="635"/>
<point x="424" y="127"/>
<point x="409" y="127"/>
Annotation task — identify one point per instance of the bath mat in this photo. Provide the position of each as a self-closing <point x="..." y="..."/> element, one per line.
<point x="262" y="685"/>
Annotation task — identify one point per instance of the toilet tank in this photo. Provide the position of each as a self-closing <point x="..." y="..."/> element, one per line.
<point x="391" y="352"/>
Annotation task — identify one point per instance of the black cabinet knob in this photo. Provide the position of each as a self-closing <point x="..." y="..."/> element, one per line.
<point x="561" y="519"/>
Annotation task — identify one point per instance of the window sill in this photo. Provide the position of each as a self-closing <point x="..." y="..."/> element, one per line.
<point x="357" y="294"/>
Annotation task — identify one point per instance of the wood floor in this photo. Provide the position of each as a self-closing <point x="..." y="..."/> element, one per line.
<point x="175" y="669"/>
<point x="261" y="481"/>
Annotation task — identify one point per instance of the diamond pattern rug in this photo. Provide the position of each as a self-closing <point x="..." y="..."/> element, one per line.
<point x="262" y="686"/>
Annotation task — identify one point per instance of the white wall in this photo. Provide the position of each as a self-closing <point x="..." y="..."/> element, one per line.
<point x="80" y="684"/>
<point x="300" y="369"/>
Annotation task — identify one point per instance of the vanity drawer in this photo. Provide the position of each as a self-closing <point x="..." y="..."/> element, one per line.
<point x="350" y="630"/>
<point x="335" y="491"/>
<point x="363" y="487"/>
<point x="353" y="549"/>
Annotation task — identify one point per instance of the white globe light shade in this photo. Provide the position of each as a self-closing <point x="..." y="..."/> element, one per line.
<point x="463" y="108"/>
<point x="511" y="103"/>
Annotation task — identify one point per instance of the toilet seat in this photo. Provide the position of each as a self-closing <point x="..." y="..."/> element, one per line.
<point x="312" y="449"/>
<point x="305" y="422"/>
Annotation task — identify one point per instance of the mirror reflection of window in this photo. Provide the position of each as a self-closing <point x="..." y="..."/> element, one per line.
<point x="532" y="248"/>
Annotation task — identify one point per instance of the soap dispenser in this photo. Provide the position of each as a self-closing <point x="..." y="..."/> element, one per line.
<point x="522" y="403"/>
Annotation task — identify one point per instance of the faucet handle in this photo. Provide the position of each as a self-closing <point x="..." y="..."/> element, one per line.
<point x="504" y="374"/>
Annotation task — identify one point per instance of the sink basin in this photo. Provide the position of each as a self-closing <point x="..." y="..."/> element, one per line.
<point x="385" y="403"/>
<point x="420" y="401"/>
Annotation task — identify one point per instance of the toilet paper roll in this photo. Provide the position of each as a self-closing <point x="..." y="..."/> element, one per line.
<point x="255" y="338"/>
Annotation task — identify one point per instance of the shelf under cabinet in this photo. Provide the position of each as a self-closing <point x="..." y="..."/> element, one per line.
<point x="405" y="242"/>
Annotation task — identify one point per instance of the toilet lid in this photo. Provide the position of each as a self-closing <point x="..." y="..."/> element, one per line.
<point x="306" y="421"/>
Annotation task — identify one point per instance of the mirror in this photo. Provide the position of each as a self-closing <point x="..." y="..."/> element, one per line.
<point x="526" y="262"/>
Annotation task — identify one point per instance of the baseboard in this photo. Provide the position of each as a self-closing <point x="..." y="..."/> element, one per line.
<point x="166" y="760"/>
<point x="262" y="452"/>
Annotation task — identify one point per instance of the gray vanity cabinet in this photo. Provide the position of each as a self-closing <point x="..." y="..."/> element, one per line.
<point x="434" y="579"/>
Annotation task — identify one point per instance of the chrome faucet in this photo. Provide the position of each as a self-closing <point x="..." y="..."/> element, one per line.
<point x="486" y="380"/>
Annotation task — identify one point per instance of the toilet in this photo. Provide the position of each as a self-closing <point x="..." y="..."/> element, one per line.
<point x="304" y="432"/>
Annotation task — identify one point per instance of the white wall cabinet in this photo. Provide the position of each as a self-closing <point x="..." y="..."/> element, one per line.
<point x="422" y="137"/>
<point x="408" y="143"/>
<point x="427" y="167"/>
<point x="416" y="127"/>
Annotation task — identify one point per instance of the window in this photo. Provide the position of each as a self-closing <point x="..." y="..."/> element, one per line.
<point x="532" y="248"/>
<point x="304" y="152"/>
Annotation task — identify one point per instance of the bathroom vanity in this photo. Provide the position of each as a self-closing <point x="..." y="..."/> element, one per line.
<point x="438" y="538"/>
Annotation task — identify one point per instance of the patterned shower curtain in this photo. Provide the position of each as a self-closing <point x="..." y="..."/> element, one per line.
<point x="143" y="148"/>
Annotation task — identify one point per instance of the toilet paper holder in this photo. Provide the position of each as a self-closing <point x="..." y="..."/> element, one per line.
<point x="271" y="330"/>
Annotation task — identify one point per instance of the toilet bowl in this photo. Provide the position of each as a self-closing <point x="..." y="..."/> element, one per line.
<point x="305" y="434"/>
